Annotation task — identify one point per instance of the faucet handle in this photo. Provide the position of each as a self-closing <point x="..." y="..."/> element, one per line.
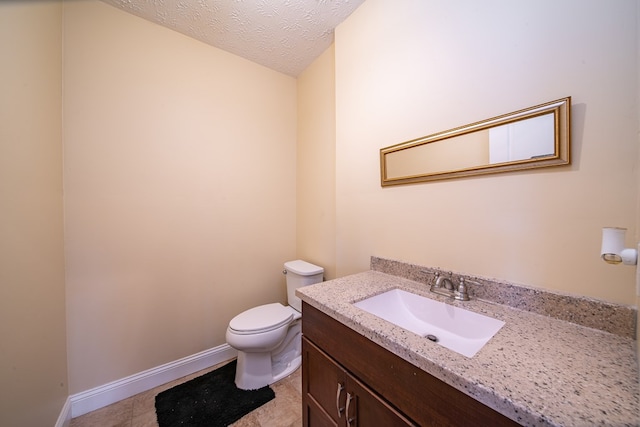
<point x="461" y="293"/>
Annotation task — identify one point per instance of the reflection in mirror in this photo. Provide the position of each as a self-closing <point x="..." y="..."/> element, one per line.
<point x="525" y="139"/>
<point x="531" y="138"/>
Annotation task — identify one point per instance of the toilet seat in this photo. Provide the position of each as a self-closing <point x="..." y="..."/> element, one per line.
<point x="261" y="319"/>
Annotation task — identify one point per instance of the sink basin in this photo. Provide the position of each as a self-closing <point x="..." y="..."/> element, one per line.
<point x="455" y="328"/>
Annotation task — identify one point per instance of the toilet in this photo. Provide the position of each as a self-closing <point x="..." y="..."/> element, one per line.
<point x="268" y="337"/>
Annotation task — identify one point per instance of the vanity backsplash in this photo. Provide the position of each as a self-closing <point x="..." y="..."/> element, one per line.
<point x="617" y="319"/>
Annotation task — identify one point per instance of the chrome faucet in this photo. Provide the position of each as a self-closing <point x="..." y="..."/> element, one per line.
<point x="444" y="286"/>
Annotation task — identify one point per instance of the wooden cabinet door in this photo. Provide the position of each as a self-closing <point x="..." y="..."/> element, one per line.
<point x="323" y="388"/>
<point x="329" y="392"/>
<point x="367" y="409"/>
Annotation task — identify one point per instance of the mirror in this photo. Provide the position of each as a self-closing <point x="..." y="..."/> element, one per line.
<point x="531" y="138"/>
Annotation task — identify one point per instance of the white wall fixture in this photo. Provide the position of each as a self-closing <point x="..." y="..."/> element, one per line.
<point x="613" y="250"/>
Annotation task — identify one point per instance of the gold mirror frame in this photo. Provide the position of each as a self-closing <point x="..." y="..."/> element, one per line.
<point x="422" y="166"/>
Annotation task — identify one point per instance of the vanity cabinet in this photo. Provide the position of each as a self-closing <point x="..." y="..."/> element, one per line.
<point x="335" y="398"/>
<point x="342" y="368"/>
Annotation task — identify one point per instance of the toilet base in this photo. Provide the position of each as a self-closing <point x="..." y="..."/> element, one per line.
<point x="289" y="369"/>
<point x="256" y="370"/>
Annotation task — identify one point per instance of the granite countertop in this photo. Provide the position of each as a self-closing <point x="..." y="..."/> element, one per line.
<point x="537" y="370"/>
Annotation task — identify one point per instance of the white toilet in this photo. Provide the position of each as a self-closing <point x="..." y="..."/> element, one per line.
<point x="268" y="337"/>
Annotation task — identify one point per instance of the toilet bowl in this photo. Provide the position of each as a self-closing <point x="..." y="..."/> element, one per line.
<point x="268" y="337"/>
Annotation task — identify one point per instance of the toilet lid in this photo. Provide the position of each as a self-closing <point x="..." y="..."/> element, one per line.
<point x="263" y="318"/>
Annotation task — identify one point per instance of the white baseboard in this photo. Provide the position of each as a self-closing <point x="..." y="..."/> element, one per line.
<point x="99" y="397"/>
<point x="64" y="420"/>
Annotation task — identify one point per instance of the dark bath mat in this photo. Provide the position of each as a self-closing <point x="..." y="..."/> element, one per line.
<point x="212" y="400"/>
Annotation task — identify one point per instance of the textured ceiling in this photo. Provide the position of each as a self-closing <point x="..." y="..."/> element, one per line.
<point x="284" y="35"/>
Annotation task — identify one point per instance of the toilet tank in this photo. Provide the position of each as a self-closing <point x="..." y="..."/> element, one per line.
<point x="300" y="273"/>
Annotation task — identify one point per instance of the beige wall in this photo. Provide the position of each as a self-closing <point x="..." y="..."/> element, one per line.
<point x="180" y="191"/>
<point x="33" y="365"/>
<point x="316" y="216"/>
<point x="413" y="68"/>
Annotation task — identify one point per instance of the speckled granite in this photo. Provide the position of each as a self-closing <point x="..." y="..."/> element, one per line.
<point x="537" y="370"/>
<point x="615" y="318"/>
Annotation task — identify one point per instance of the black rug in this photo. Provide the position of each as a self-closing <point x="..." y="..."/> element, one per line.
<point x="212" y="400"/>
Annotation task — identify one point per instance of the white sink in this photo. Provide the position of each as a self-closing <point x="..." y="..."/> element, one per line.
<point x="455" y="328"/>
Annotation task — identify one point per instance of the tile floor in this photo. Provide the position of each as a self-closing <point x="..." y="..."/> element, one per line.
<point x="139" y="410"/>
